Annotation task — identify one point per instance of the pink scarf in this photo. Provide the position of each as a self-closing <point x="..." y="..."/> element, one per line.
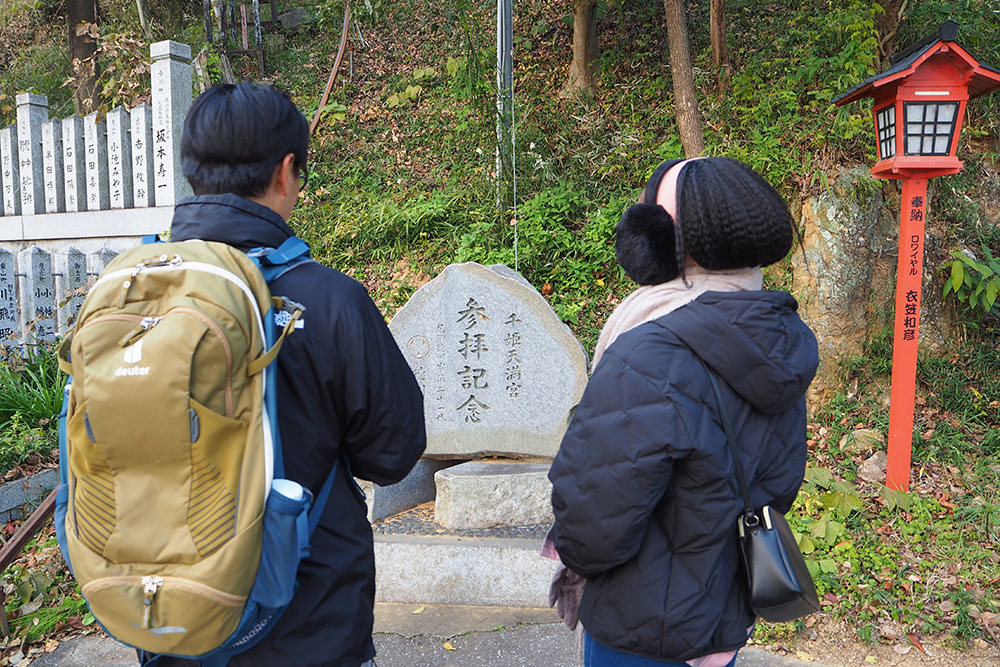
<point x="652" y="302"/>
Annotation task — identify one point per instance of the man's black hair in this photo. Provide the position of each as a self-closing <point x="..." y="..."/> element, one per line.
<point x="235" y="135"/>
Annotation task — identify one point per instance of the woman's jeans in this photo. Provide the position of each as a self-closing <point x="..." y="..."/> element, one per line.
<point x="596" y="654"/>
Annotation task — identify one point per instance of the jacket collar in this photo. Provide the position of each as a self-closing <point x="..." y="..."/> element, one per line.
<point x="228" y="218"/>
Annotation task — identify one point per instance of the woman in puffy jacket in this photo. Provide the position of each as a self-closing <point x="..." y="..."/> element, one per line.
<point x="644" y="490"/>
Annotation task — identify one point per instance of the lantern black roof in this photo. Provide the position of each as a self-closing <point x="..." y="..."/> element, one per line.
<point x="906" y="59"/>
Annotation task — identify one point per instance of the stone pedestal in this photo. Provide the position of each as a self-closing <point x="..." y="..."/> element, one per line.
<point x="417" y="487"/>
<point x="489" y="494"/>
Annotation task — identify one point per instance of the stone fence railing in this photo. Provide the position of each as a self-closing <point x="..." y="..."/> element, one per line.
<point x="77" y="191"/>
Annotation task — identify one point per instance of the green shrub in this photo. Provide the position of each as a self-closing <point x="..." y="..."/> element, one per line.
<point x="20" y="441"/>
<point x="31" y="389"/>
<point x="973" y="282"/>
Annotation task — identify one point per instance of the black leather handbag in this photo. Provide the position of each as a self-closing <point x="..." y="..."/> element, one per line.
<point x="778" y="581"/>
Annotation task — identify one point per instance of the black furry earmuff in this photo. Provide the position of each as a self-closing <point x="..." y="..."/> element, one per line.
<point x="645" y="245"/>
<point x="645" y="240"/>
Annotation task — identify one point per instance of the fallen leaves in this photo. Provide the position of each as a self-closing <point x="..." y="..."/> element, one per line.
<point x="448" y="646"/>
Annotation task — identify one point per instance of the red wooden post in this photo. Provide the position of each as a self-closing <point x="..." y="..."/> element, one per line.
<point x="918" y="110"/>
<point x="909" y="271"/>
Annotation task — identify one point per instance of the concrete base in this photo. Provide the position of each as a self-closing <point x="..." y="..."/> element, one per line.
<point x="488" y="494"/>
<point x="20" y="497"/>
<point x="461" y="570"/>
<point x="417" y="487"/>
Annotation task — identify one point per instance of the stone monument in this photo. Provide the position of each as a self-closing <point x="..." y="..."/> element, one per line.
<point x="500" y="375"/>
<point x="499" y="371"/>
<point x="8" y="297"/>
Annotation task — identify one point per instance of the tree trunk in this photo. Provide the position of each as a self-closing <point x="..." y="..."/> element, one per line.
<point x="717" y="32"/>
<point x="141" y="8"/>
<point x="586" y="53"/>
<point x="682" y="75"/>
<point x="888" y="24"/>
<point x="81" y="47"/>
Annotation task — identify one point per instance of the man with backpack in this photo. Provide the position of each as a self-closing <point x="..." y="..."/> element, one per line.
<point x="344" y="391"/>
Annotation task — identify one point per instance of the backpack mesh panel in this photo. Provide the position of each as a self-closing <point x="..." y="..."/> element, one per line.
<point x="211" y="508"/>
<point x="95" y="503"/>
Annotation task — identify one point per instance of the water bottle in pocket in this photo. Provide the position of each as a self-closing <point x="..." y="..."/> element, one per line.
<point x="285" y="543"/>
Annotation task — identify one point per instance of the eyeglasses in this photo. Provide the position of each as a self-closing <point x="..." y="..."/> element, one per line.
<point x="303" y="178"/>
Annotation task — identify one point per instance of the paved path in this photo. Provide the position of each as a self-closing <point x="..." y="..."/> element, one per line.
<point x="479" y="637"/>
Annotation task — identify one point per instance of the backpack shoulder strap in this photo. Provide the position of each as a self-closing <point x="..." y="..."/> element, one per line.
<point x="316" y="511"/>
<point x="276" y="262"/>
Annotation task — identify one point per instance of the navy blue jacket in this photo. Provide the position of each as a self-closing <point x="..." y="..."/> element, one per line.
<point x="344" y="390"/>
<point x="644" y="493"/>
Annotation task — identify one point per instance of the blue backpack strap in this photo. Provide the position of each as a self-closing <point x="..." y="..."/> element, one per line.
<point x="316" y="511"/>
<point x="290" y="249"/>
<point x="276" y="262"/>
<point x="151" y="238"/>
<point x="272" y="273"/>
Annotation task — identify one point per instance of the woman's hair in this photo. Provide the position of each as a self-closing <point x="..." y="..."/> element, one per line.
<point x="730" y="217"/>
<point x="235" y="135"/>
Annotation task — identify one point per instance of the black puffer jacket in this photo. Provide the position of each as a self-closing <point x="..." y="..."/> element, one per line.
<point x="344" y="390"/>
<point x="644" y="493"/>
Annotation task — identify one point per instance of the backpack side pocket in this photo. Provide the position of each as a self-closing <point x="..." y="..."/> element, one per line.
<point x="285" y="543"/>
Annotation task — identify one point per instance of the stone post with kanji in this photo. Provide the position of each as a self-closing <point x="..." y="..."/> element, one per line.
<point x="171" y="79"/>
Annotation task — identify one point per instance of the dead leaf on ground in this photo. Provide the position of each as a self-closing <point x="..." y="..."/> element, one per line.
<point x="448" y="646"/>
<point x="913" y="637"/>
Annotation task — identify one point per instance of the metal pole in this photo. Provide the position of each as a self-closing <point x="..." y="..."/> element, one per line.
<point x="909" y="271"/>
<point x="505" y="45"/>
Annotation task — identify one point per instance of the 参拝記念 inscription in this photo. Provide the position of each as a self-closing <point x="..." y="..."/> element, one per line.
<point x="473" y="346"/>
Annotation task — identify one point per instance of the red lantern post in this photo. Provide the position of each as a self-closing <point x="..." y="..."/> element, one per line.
<point x="919" y="105"/>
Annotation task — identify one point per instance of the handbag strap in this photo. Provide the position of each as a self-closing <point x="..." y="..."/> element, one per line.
<point x="749" y="515"/>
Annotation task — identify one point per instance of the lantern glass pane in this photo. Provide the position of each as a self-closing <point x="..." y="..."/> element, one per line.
<point x="885" y="120"/>
<point x="929" y="127"/>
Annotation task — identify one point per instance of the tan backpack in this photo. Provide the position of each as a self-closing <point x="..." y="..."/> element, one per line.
<point x="172" y="512"/>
